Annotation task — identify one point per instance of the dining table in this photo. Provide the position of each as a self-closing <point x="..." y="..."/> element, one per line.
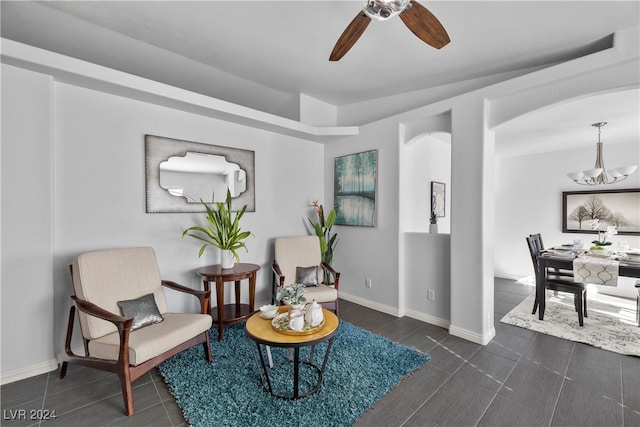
<point x="550" y="259"/>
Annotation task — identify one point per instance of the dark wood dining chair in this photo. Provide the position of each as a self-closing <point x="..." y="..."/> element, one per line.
<point x="558" y="282"/>
<point x="553" y="272"/>
<point x="638" y="303"/>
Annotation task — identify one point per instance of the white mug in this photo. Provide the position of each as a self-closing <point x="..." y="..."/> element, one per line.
<point x="296" y="321"/>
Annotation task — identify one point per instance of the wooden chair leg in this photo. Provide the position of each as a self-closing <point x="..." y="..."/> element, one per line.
<point x="578" y="298"/>
<point x="67" y="341"/>
<point x="63" y="370"/>
<point x="584" y="303"/>
<point x="207" y="347"/>
<point x="638" y="302"/>
<point x="127" y="392"/>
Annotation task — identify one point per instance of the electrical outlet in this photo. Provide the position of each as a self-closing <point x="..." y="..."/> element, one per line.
<point x="367" y="283"/>
<point x="431" y="295"/>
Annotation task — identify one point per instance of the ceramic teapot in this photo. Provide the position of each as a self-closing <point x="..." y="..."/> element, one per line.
<point x="314" y="315"/>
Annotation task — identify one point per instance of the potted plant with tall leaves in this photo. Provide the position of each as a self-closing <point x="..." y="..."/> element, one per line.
<point x="322" y="229"/>
<point x="222" y="231"/>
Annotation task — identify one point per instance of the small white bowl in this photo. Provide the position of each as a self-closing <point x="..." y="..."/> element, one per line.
<point x="268" y="311"/>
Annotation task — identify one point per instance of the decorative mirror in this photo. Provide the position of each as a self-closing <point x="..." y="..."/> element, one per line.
<point x="181" y="173"/>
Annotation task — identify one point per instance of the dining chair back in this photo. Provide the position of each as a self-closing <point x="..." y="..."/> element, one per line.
<point x="557" y="280"/>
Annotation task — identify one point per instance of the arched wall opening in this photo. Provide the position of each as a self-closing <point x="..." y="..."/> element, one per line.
<point x="424" y="258"/>
<point x="535" y="151"/>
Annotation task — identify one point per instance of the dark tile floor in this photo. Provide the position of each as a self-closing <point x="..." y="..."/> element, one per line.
<point x="521" y="378"/>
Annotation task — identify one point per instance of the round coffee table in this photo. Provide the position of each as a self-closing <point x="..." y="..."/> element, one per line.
<point x="262" y="332"/>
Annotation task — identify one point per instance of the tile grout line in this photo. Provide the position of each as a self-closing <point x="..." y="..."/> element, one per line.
<point x="465" y="361"/>
<point x="564" y="379"/>
<point x="502" y="383"/>
<point x="44" y="398"/>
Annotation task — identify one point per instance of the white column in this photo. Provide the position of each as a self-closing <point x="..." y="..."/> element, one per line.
<point x="472" y="218"/>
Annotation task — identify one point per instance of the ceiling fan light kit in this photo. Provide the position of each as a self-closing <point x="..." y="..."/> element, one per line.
<point x="599" y="175"/>
<point x="416" y="17"/>
<point x="381" y="10"/>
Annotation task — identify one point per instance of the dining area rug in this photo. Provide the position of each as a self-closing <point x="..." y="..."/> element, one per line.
<point x="362" y="367"/>
<point x="610" y="325"/>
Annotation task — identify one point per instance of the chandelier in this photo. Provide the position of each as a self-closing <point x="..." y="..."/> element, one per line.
<point x="598" y="175"/>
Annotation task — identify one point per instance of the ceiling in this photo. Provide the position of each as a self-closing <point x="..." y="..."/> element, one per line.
<point x="263" y="54"/>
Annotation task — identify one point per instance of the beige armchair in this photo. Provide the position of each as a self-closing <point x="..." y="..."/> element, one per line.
<point x="303" y="252"/>
<point x="124" y="320"/>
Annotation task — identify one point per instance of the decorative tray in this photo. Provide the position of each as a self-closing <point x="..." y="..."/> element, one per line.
<point x="281" y="324"/>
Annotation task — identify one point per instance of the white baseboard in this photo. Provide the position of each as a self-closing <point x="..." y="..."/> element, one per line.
<point x="473" y="336"/>
<point x="396" y="312"/>
<point x="459" y="332"/>
<point x="427" y="318"/>
<point x="370" y="304"/>
<point x="28" y="371"/>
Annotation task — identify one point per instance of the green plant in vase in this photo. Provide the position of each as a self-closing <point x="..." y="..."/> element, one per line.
<point x="322" y="228"/>
<point x="434" y="218"/>
<point x="223" y="230"/>
<point x="292" y="295"/>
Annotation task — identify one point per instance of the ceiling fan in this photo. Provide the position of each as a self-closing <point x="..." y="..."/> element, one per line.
<point x="416" y="17"/>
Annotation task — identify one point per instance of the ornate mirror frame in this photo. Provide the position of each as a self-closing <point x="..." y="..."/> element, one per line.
<point x="159" y="149"/>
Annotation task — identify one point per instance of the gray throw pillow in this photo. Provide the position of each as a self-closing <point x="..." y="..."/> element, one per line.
<point x="144" y="311"/>
<point x="307" y="276"/>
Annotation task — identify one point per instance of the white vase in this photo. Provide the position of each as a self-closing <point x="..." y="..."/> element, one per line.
<point x="226" y="259"/>
<point x="433" y="228"/>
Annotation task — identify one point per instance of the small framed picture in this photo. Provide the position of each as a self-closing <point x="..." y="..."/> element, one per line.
<point x="437" y="198"/>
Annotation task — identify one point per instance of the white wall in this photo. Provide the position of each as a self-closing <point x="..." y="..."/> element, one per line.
<point x="27" y="233"/>
<point x="427" y="266"/>
<point x="97" y="175"/>
<point x="427" y="159"/>
<point x="370" y="252"/>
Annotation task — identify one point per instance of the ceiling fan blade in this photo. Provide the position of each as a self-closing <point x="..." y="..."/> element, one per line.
<point x="350" y="35"/>
<point x="425" y="25"/>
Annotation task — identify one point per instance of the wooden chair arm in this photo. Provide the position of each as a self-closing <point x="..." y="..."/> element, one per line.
<point x="334" y="273"/>
<point x="203" y="296"/>
<point x="276" y="270"/>
<point x="123" y="324"/>
<point x="99" y="312"/>
<point x="277" y="281"/>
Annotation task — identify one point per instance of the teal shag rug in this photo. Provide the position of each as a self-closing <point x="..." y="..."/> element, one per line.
<point x="361" y="369"/>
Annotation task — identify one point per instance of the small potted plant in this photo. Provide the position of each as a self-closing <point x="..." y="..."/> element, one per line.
<point x="600" y="245"/>
<point x="222" y="231"/>
<point x="433" y="223"/>
<point x="292" y="295"/>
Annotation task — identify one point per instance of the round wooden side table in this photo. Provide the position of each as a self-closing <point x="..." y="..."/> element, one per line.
<point x="230" y="313"/>
<point x="262" y="333"/>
